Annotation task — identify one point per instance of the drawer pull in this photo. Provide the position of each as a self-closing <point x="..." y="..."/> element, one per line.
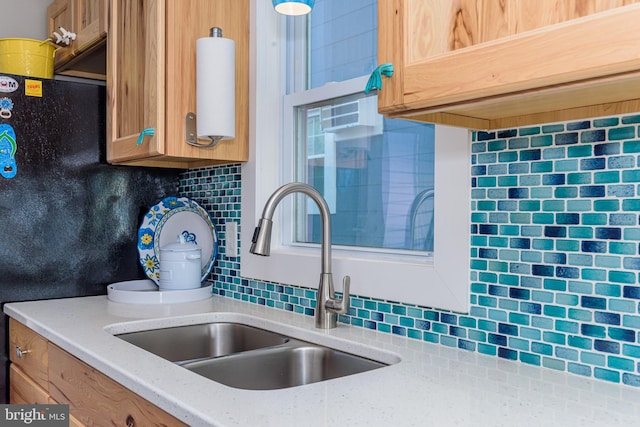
<point x="20" y="352"/>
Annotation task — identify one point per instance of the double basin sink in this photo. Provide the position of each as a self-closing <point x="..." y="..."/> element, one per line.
<point x="248" y="357"/>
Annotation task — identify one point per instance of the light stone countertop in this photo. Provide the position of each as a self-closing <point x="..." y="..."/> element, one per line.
<point x="431" y="385"/>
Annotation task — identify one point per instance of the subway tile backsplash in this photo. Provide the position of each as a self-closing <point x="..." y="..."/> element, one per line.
<point x="555" y="252"/>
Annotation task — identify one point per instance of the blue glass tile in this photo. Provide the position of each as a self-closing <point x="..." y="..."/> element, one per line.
<point x="607" y="318"/>
<point x="594" y="274"/>
<point x="606" y="374"/>
<point x="631" y="350"/>
<point x="627" y="132"/>
<point x="567" y="299"/>
<point x="448" y="341"/>
<point x="566" y="138"/>
<point x="631" y="292"/>
<point x="606" y="122"/>
<point x="593" y="358"/>
<point x="621" y="334"/>
<point x="631" y="379"/>
<point x="566" y="166"/>
<point x="555" y="231"/>
<point x="486" y="349"/>
<point x="496" y="145"/>
<point x="566" y="353"/>
<point x="580" y="342"/>
<point x="608" y="289"/>
<point x="610" y="177"/>
<point x="542" y="322"/>
<point x="579" y="151"/>
<point x="567" y="272"/>
<point x="553" y="128"/>
<point x="554" y="337"/>
<point x="568" y="218"/>
<point x="484" y="136"/>
<point x="496" y="339"/>
<point x="530" y="359"/>
<point x="578" y="369"/>
<point x="631" y="205"/>
<point x="531" y="308"/>
<point x="541" y="348"/>
<point x="554" y="153"/>
<point x="558" y="365"/>
<point x="596" y="163"/>
<point x="630" y="263"/>
<point x="505" y="157"/>
<point x="541" y="167"/>
<point x="593" y="136"/>
<point x="542" y="270"/>
<point x="507" y="329"/>
<point x="594" y="246"/>
<point x="631" y="147"/>
<point x="506" y="353"/>
<point x="457" y="331"/>
<point x="631" y="175"/>
<point x="623" y="277"/>
<point x="584" y="124"/>
<point x="606" y="205"/>
<point x="566" y="326"/>
<point x="529" y="155"/>
<point x="554" y="311"/>
<point x="594" y="331"/>
<point x="592" y="191"/>
<point x="534" y="130"/>
<point x="466" y="345"/>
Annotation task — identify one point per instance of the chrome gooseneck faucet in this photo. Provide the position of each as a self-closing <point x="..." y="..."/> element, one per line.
<point x="327" y="306"/>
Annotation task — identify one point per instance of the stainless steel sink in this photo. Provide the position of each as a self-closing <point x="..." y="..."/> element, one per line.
<point x="293" y="364"/>
<point x="247" y="357"/>
<point x="193" y="342"/>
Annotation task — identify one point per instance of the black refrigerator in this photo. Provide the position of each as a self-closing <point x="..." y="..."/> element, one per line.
<point x="68" y="220"/>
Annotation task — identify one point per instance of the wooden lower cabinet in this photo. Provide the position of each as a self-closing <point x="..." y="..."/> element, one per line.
<point x="93" y="398"/>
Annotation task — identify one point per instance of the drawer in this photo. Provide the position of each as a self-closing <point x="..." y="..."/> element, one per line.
<point x="23" y="390"/>
<point x="95" y="398"/>
<point x="28" y="350"/>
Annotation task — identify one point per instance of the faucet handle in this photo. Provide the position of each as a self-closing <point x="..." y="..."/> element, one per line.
<point x="341" y="306"/>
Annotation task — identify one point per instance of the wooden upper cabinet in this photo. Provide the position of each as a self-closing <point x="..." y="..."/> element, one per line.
<point x="151" y="80"/>
<point x="86" y="55"/>
<point x="489" y="64"/>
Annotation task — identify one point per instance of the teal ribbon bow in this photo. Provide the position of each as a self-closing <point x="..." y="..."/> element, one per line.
<point x="375" y="80"/>
<point x="147" y="131"/>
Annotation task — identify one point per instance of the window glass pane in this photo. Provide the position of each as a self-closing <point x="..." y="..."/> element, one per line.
<point x="343" y="40"/>
<point x="376" y="175"/>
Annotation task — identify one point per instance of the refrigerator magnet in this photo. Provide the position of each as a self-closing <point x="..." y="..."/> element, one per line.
<point x="8" y="148"/>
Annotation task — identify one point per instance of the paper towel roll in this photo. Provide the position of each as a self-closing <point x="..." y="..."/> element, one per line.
<point x="215" y="87"/>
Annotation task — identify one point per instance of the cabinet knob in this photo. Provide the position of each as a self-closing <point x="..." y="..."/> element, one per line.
<point x="20" y="352"/>
<point x="130" y="421"/>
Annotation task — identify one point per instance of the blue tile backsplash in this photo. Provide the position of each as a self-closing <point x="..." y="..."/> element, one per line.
<point x="555" y="252"/>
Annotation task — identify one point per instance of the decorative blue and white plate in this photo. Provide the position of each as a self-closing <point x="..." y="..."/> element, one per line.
<point x="162" y="225"/>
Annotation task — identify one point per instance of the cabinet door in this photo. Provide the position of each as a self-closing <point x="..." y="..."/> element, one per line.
<point x="60" y="14"/>
<point x="232" y="16"/>
<point x="135" y="79"/>
<point x="95" y="399"/>
<point x="28" y="351"/>
<point x="469" y="56"/>
<point x="23" y="390"/>
<point x="90" y="23"/>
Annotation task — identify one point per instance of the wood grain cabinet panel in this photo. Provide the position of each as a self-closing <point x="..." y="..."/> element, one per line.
<point x="86" y="55"/>
<point x="489" y="64"/>
<point x="28" y="351"/>
<point x="95" y="399"/>
<point x="151" y="77"/>
<point x="43" y="373"/>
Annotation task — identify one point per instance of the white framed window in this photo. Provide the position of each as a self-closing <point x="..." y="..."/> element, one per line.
<point x="438" y="278"/>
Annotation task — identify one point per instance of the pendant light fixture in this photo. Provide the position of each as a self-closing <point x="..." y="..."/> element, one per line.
<point x="293" y="7"/>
